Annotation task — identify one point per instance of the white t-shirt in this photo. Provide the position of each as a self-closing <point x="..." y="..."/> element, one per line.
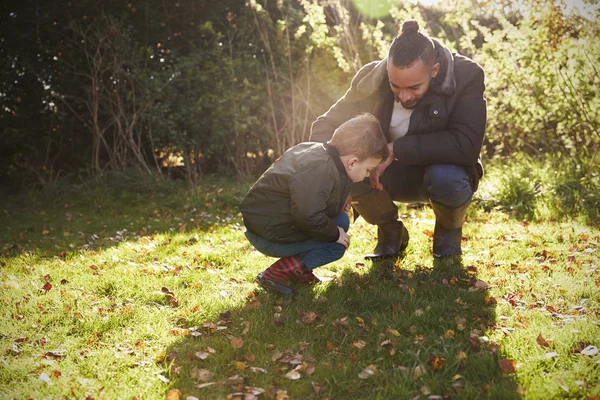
<point x="400" y="121"/>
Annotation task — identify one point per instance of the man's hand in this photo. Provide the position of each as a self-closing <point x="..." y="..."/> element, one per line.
<point x="378" y="171"/>
<point x="344" y="238"/>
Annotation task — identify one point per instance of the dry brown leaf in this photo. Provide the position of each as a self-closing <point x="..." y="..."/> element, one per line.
<point x="359" y="344"/>
<point x="317" y="388"/>
<point x="201" y="374"/>
<point x="173" y="394"/>
<point x="508" y="366"/>
<point x="237" y="343"/>
<point x="436" y="362"/>
<point x="541" y="341"/>
<point x="309" y="317"/>
<point x="419" y="371"/>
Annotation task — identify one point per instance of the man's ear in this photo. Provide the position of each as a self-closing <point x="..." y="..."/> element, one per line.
<point x="435" y="69"/>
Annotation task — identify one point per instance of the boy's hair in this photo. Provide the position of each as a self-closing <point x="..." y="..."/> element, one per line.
<point x="361" y="137"/>
<point x="410" y="46"/>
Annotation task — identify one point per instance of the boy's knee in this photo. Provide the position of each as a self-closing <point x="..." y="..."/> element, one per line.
<point x="343" y="221"/>
<point x="337" y="252"/>
<point x="448" y="185"/>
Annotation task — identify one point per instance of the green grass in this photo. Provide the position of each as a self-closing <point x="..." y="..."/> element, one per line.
<point x="118" y="294"/>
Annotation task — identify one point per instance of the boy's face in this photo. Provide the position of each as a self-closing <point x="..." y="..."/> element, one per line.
<point x="359" y="170"/>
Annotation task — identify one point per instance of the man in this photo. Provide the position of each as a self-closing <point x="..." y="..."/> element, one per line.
<point x="431" y="108"/>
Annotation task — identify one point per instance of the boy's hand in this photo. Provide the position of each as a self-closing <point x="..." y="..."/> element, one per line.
<point x="344" y="238"/>
<point x="348" y="204"/>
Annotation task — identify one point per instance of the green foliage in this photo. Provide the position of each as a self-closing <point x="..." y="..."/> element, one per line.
<point x="543" y="84"/>
<point x="224" y="88"/>
<point x="554" y="188"/>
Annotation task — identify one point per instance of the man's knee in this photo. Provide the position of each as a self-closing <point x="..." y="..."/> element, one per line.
<point x="448" y="185"/>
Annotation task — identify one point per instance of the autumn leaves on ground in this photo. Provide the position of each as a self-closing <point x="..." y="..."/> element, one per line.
<point x="150" y="294"/>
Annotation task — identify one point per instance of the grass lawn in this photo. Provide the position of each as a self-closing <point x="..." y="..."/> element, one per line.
<point x="150" y="294"/>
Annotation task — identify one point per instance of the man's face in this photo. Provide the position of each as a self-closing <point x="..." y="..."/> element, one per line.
<point x="410" y="84"/>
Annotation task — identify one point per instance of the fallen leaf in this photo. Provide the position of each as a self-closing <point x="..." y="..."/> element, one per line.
<point x="340" y="322"/>
<point x="293" y="375"/>
<point x="541" y="341"/>
<point x="367" y="372"/>
<point x="173" y="394"/>
<point x="201" y="374"/>
<point x="202" y="355"/>
<point x="237" y="343"/>
<point x="317" y="388"/>
<point x="359" y="344"/>
<point x="44" y="376"/>
<point x="551" y="355"/>
<point x="309" y="317"/>
<point x="282" y="395"/>
<point x="436" y="362"/>
<point x="258" y="369"/>
<point x="590" y="351"/>
<point x="204" y="385"/>
<point x="239" y="365"/>
<point x="164" y="379"/>
<point x="308" y="369"/>
<point x="508" y="366"/>
<point x="490" y="301"/>
<point x="47" y="286"/>
<point x="419" y="371"/>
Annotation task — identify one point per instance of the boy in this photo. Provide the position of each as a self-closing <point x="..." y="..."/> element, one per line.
<point x="297" y="208"/>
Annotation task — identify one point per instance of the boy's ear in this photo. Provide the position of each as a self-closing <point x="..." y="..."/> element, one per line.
<point x="352" y="162"/>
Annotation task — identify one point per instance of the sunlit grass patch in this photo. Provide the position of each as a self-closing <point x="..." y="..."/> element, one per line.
<point x="159" y="295"/>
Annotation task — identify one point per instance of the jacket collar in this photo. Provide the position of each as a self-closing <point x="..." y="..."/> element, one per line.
<point x="335" y="156"/>
<point x="444" y="83"/>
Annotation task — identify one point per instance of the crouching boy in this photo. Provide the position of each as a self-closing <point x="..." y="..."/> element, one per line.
<point x="296" y="211"/>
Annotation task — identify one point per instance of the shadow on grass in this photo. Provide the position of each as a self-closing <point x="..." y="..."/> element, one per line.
<point x="103" y="218"/>
<point x="383" y="331"/>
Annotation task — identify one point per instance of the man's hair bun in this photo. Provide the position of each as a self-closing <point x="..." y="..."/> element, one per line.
<point x="410" y="26"/>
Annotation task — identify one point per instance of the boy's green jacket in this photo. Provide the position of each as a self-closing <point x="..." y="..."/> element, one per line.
<point x="297" y="197"/>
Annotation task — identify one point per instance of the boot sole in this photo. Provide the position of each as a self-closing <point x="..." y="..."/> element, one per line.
<point x="274" y="286"/>
<point x="379" y="257"/>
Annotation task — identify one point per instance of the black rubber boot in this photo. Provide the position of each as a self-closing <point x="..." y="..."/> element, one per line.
<point x="392" y="239"/>
<point x="447" y="234"/>
<point x="377" y="208"/>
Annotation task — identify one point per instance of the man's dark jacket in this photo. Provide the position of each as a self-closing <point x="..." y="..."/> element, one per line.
<point x="297" y="198"/>
<point x="446" y="127"/>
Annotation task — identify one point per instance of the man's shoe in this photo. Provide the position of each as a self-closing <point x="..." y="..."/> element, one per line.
<point x="392" y="239"/>
<point x="447" y="234"/>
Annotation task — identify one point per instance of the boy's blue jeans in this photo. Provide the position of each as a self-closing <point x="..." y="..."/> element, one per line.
<point x="314" y="253"/>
